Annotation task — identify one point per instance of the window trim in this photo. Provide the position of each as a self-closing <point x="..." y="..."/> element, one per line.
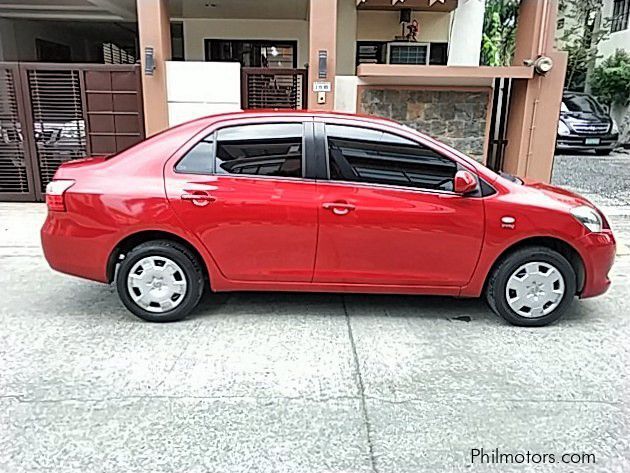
<point x="215" y="133"/>
<point x="323" y="137"/>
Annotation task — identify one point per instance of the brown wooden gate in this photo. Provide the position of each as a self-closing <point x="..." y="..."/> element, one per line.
<point x="52" y="113"/>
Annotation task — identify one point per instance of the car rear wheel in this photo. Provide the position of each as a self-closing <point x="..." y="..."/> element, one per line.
<point x="160" y="281"/>
<point x="531" y="287"/>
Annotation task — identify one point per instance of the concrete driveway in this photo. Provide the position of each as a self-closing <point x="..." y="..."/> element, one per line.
<point x="303" y="383"/>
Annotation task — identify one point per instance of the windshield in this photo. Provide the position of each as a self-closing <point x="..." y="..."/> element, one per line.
<point x="580" y="103"/>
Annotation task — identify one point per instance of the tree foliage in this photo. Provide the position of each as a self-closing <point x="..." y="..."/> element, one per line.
<point x="610" y="81"/>
<point x="499" y="29"/>
<point x="584" y="29"/>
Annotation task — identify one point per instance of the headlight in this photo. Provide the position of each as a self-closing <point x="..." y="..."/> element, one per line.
<point x="614" y="128"/>
<point x="588" y="217"/>
<point x="563" y="129"/>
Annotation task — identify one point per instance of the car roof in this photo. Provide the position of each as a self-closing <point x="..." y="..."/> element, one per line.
<point x="262" y="113"/>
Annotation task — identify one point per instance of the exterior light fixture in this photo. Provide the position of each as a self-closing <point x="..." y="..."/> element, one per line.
<point x="149" y="61"/>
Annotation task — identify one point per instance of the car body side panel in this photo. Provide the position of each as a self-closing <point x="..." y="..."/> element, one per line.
<point x="542" y="216"/>
<point x="398" y="236"/>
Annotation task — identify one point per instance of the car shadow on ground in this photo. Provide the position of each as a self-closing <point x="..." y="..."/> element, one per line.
<point x="85" y="298"/>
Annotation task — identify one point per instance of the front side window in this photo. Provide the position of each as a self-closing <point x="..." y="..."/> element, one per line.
<point x="273" y="149"/>
<point x="364" y="155"/>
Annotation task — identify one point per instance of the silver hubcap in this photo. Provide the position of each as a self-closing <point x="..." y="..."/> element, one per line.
<point x="535" y="289"/>
<point x="157" y="284"/>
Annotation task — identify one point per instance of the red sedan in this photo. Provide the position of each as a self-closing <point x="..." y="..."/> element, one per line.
<point x="319" y="202"/>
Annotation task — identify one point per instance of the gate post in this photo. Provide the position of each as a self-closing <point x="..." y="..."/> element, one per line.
<point x="535" y="106"/>
<point x="155" y="32"/>
<point x="322" y="41"/>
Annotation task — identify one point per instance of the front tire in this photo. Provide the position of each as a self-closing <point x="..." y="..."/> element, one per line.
<point x="531" y="287"/>
<point x="160" y="281"/>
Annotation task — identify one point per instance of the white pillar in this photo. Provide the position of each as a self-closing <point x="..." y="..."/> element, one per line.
<point x="466" y="32"/>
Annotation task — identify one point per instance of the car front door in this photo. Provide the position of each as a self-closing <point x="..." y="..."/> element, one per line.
<point x="388" y="214"/>
<point x="242" y="190"/>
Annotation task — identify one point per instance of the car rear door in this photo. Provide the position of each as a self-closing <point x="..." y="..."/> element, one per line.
<point x="243" y="191"/>
<point x="388" y="214"/>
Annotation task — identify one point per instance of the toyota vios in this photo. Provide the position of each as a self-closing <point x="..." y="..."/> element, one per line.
<point x="319" y="202"/>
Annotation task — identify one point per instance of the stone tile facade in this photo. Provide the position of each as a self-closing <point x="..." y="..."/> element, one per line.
<point x="457" y="118"/>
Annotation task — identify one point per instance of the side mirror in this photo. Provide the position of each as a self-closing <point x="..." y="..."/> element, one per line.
<point x="606" y="109"/>
<point x="465" y="182"/>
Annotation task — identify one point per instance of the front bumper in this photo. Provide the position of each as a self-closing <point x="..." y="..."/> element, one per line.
<point x="578" y="142"/>
<point x="598" y="254"/>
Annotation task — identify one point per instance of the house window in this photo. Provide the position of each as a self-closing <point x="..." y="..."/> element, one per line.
<point x="621" y="11"/>
<point x="114" y="54"/>
<point x="177" y="41"/>
<point x="371" y="52"/>
<point x="408" y="53"/>
<point x="375" y="52"/>
<point x="253" y="53"/>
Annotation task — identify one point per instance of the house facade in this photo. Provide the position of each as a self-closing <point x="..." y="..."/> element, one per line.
<point x="618" y="13"/>
<point x="415" y="61"/>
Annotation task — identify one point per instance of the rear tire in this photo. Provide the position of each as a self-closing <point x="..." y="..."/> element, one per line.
<point x="160" y="281"/>
<point x="531" y="287"/>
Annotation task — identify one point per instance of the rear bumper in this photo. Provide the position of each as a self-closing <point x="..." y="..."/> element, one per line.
<point x="72" y="249"/>
<point x="598" y="254"/>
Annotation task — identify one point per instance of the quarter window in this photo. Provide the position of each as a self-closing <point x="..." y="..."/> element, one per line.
<point x="365" y="155"/>
<point x="199" y="159"/>
<point x="262" y="150"/>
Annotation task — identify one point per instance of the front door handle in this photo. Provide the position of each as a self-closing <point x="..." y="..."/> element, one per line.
<point x="339" y="208"/>
<point x="200" y="199"/>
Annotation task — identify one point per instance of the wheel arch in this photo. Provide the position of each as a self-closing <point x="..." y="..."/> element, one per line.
<point x="557" y="244"/>
<point x="134" y="239"/>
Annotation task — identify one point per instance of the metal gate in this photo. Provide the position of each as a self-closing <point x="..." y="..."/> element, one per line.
<point x="264" y="87"/>
<point x="52" y="113"/>
<point x="498" y="123"/>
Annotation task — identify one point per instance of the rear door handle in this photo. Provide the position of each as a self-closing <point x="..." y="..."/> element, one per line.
<point x="339" y="208"/>
<point x="200" y="200"/>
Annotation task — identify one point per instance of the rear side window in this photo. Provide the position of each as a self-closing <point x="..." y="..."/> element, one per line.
<point x="199" y="159"/>
<point x="273" y="149"/>
<point x="365" y="155"/>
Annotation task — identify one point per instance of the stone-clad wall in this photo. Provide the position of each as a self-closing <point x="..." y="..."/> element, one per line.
<point x="458" y="118"/>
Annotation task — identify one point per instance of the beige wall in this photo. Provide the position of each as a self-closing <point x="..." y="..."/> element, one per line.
<point x="154" y="32"/>
<point x="384" y="25"/>
<point x="196" y="30"/>
<point x="346" y="37"/>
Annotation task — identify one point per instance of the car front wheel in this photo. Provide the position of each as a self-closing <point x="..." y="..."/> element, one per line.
<point x="531" y="287"/>
<point x="160" y="281"/>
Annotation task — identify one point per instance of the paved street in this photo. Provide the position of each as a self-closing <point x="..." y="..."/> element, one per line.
<point x="307" y="383"/>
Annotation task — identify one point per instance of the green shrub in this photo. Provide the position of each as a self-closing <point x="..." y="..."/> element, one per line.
<point x="610" y="81"/>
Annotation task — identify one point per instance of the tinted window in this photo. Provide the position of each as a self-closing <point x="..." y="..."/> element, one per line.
<point x="362" y="155"/>
<point x="264" y="150"/>
<point x="199" y="159"/>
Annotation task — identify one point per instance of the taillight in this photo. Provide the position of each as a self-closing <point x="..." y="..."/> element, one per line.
<point x="55" y="194"/>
